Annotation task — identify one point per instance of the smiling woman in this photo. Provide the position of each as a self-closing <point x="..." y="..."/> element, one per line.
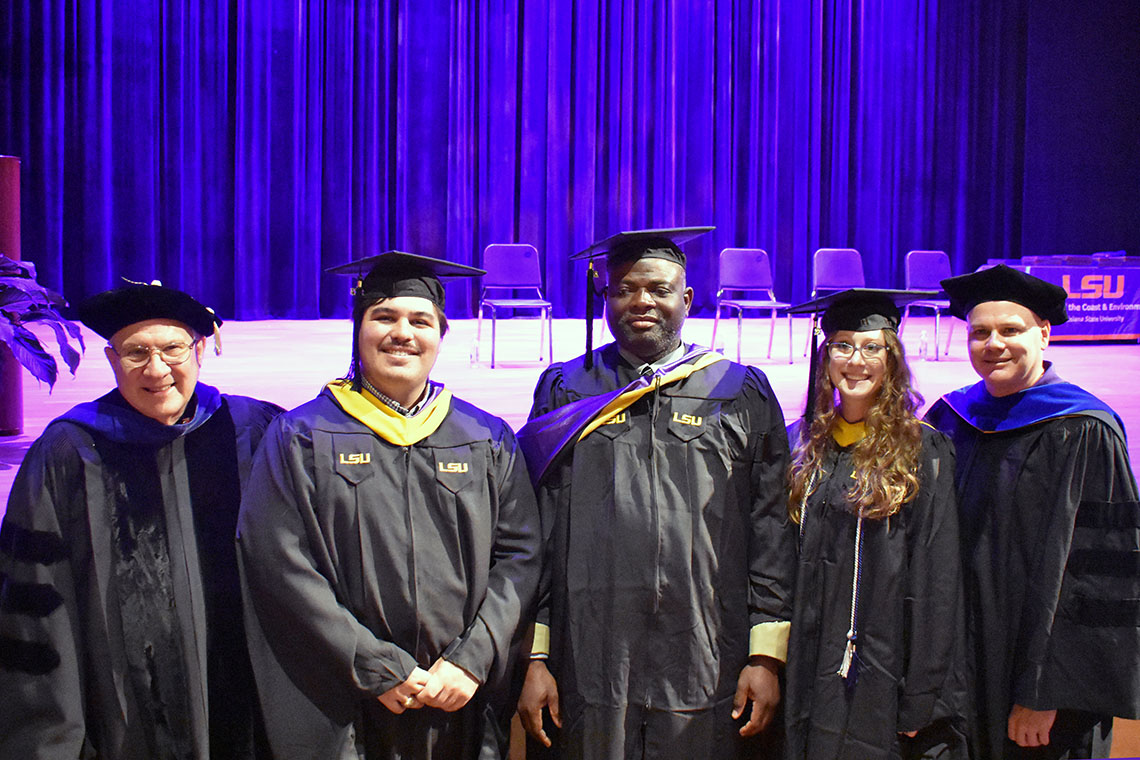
<point x="857" y="365"/>
<point x="873" y="667"/>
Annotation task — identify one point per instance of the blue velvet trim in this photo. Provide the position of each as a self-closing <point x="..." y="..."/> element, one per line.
<point x="992" y="414"/>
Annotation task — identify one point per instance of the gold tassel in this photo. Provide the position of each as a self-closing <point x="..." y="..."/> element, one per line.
<point x="217" y="336"/>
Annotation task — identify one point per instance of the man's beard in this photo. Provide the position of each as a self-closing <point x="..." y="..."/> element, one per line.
<point x="648" y="345"/>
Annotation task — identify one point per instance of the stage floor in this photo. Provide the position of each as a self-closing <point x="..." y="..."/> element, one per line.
<point x="288" y="361"/>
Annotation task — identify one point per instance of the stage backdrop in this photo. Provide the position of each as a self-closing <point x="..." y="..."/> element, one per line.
<point x="237" y="151"/>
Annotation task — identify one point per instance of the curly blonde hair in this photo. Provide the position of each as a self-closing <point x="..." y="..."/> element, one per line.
<point x="885" y="461"/>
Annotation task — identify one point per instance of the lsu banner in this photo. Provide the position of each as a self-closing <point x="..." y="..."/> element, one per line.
<point x="1104" y="302"/>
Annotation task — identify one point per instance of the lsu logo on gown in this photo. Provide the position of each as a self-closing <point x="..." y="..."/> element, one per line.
<point x="617" y="419"/>
<point x="452" y="466"/>
<point x="362" y="458"/>
<point x="688" y="419"/>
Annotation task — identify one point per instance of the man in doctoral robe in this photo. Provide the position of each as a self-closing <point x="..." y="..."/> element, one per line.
<point x="120" y="604"/>
<point x="389" y="541"/>
<point x="663" y="620"/>
<point x="1049" y="525"/>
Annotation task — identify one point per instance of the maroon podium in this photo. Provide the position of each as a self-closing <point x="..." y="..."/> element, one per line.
<point x="11" y="372"/>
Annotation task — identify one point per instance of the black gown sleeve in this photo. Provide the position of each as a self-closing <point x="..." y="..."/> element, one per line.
<point x="514" y="573"/>
<point x="41" y="653"/>
<point x="251" y="419"/>
<point x="289" y="580"/>
<point x="1079" y="640"/>
<point x="549" y="395"/>
<point x="772" y="548"/>
<point x="933" y="686"/>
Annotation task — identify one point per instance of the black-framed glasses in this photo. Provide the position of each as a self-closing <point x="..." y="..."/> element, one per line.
<point x="172" y="354"/>
<point x="872" y="352"/>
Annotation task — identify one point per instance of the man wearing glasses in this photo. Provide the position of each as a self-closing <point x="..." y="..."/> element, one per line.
<point x="120" y="607"/>
<point x="1049" y="516"/>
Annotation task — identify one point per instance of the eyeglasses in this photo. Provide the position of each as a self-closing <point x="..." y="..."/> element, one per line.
<point x="872" y="352"/>
<point x="173" y="354"/>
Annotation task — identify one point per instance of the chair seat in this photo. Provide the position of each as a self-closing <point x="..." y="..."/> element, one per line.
<point x="748" y="304"/>
<point x="516" y="303"/>
<point x="932" y="304"/>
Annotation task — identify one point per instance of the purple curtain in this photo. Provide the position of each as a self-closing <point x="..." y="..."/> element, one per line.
<point x="236" y="153"/>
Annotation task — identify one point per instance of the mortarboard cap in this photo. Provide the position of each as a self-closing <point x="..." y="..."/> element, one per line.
<point x="395" y="273"/>
<point x="1002" y="283"/>
<point x="110" y="311"/>
<point x="633" y="245"/>
<point x="861" y="309"/>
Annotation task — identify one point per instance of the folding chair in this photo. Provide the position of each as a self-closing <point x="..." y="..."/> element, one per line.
<point x="513" y="267"/>
<point x="924" y="271"/>
<point x="747" y="271"/>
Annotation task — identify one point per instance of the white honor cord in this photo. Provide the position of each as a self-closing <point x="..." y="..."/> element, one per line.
<point x="803" y="505"/>
<point x="849" y="650"/>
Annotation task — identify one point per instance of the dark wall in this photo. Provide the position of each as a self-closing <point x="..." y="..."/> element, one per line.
<point x="1082" y="128"/>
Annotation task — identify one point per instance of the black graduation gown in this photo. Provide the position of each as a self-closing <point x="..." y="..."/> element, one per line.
<point x="910" y="643"/>
<point x="362" y="559"/>
<point x="668" y="541"/>
<point x="1049" y="527"/>
<point x="120" y="608"/>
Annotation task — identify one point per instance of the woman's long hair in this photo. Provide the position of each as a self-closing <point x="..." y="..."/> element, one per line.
<point x="885" y="461"/>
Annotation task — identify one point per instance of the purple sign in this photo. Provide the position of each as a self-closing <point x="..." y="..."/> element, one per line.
<point x="1104" y="302"/>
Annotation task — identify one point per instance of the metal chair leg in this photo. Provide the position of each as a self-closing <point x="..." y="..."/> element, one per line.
<point x="478" y="330"/>
<point x="541" y="331"/>
<point x="739" y="333"/>
<point x="937" y="332"/>
<point x="771" y="331"/>
<point x="550" y="335"/>
<point x="716" y="323"/>
<point x="791" y="348"/>
<point x="493" y="321"/>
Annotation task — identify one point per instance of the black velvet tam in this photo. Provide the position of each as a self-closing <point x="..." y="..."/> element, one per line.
<point x="1002" y="283"/>
<point x="110" y="311"/>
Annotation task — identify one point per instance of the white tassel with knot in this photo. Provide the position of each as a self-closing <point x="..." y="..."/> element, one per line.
<point x="848" y="656"/>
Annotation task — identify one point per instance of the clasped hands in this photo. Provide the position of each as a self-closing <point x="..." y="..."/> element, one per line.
<point x="445" y="686"/>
